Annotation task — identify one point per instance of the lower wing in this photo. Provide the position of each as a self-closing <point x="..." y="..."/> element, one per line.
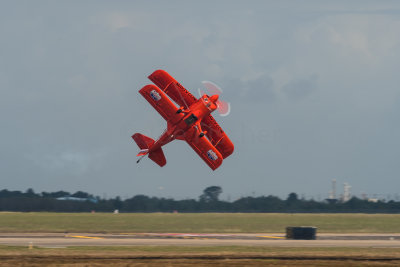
<point x="217" y="136"/>
<point x="204" y="148"/>
<point x="159" y="100"/>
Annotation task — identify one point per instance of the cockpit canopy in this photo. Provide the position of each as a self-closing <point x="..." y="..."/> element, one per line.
<point x="191" y="119"/>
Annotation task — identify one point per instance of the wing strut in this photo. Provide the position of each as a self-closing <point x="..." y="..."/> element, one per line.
<point x="180" y="94"/>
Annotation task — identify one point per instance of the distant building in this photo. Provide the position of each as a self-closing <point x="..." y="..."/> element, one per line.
<point x="347" y="192"/>
<point x="332" y="195"/>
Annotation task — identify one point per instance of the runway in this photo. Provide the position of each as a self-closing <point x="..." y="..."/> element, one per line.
<point x="54" y="240"/>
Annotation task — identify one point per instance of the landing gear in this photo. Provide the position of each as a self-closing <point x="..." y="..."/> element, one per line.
<point x="201" y="134"/>
<point x="179" y="111"/>
<point x="140" y="159"/>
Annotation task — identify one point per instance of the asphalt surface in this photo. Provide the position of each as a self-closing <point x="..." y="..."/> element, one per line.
<point x="174" y="239"/>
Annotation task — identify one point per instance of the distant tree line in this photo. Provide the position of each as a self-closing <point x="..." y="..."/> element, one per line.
<point x="62" y="201"/>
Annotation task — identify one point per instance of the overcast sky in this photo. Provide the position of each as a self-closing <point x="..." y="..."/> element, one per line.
<point x="313" y="85"/>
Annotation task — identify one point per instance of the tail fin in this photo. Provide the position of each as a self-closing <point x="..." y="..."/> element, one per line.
<point x="158" y="157"/>
<point x="145" y="143"/>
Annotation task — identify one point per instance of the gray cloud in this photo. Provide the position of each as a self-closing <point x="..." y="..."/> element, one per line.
<point x="301" y="88"/>
<point x="259" y="90"/>
<point x="70" y="73"/>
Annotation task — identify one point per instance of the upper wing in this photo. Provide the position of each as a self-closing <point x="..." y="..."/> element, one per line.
<point x="172" y="88"/>
<point x="159" y="100"/>
<point x="204" y="148"/>
<point x="217" y="136"/>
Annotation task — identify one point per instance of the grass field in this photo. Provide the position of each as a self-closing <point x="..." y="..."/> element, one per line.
<point x="196" y="223"/>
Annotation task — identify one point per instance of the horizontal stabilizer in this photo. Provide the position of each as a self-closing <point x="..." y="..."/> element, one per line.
<point x="158" y="157"/>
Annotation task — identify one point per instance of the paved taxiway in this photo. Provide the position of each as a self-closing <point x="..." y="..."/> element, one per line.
<point x="170" y="239"/>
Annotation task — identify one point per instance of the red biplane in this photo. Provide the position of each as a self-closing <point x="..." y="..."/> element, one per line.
<point x="191" y="122"/>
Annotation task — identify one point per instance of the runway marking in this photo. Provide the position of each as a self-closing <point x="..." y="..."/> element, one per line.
<point x="81" y="236"/>
<point x="277" y="237"/>
<point x="195" y="236"/>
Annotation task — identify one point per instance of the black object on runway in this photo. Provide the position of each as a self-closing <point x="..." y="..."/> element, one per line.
<point x="301" y="232"/>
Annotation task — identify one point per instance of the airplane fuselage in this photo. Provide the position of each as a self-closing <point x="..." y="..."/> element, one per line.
<point x="187" y="121"/>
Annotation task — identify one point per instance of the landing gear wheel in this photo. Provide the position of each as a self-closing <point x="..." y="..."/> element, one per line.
<point x="201" y="134"/>
<point x="179" y="111"/>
